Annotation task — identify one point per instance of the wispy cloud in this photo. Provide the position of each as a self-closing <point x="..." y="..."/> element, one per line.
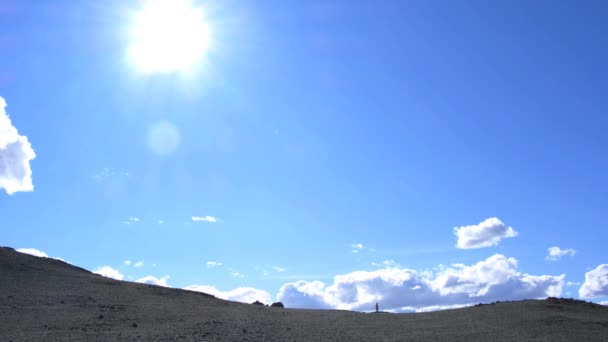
<point x="209" y="219"/>
<point x="138" y="264"/>
<point x="131" y="220"/>
<point x="486" y="234"/>
<point x="556" y="253"/>
<point x="213" y="264"/>
<point x="386" y="264"/>
<point x="357" y="247"/>
<point x="279" y="269"/>
<point x="160" y="222"/>
<point x="108" y="172"/>
<point x="236" y="274"/>
<point x="15" y="155"/>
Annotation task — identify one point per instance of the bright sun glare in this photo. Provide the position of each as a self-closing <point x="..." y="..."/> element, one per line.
<point x="168" y="36"/>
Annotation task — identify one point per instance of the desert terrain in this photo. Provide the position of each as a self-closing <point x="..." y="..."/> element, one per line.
<point x="43" y="299"/>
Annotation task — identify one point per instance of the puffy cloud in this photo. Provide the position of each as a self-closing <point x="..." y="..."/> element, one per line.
<point x="15" y="155"/>
<point x="241" y="294"/>
<point x="212" y="264"/>
<point x="596" y="283"/>
<point x="604" y="302"/>
<point x="138" y="264"/>
<point x="33" y="251"/>
<point x="209" y="219"/>
<point x="487" y="233"/>
<point x="109" y="272"/>
<point x="151" y="280"/>
<point x="399" y="289"/>
<point x="556" y="253"/>
<point x="127" y="262"/>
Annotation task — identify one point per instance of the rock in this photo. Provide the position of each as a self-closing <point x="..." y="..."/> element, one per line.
<point x="257" y="302"/>
<point x="277" y="305"/>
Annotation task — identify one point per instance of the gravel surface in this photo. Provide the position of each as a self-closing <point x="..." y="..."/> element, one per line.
<point x="45" y="299"/>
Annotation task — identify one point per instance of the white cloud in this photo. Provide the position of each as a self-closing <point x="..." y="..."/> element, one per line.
<point x="151" y="280"/>
<point x="127" y="262"/>
<point x="605" y="302"/>
<point x="573" y="283"/>
<point x="556" y="253"/>
<point x="242" y="294"/>
<point x="596" y="283"/>
<point x="212" y="264"/>
<point x="108" y="172"/>
<point x="429" y="308"/>
<point x="357" y="247"/>
<point x="279" y="269"/>
<point x="39" y="253"/>
<point x="131" y="220"/>
<point x="386" y="264"/>
<point x="109" y="272"/>
<point x="15" y="155"/>
<point x="138" y="264"/>
<point x="209" y="219"/>
<point x="237" y="274"/>
<point x="495" y="278"/>
<point x="32" y="251"/>
<point x="487" y="233"/>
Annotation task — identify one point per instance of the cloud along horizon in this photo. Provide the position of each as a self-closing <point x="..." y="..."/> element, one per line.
<point x="15" y="155"/>
<point x="401" y="289"/>
<point x="109" y="272"/>
<point x="596" y="283"/>
<point x="241" y="294"/>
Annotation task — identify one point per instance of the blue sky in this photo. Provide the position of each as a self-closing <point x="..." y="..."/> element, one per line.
<point x="322" y="139"/>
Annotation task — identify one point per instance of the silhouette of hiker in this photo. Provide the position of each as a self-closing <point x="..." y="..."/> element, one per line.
<point x="376" y="306"/>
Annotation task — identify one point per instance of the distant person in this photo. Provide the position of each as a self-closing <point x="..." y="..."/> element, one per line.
<point x="376" y="306"/>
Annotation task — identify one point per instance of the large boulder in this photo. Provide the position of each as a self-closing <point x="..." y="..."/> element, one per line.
<point x="278" y="305"/>
<point x="257" y="302"/>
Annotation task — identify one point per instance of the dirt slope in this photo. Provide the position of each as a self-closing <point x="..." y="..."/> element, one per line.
<point x="48" y="300"/>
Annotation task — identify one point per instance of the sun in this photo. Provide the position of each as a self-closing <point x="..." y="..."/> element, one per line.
<point x="168" y="36"/>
